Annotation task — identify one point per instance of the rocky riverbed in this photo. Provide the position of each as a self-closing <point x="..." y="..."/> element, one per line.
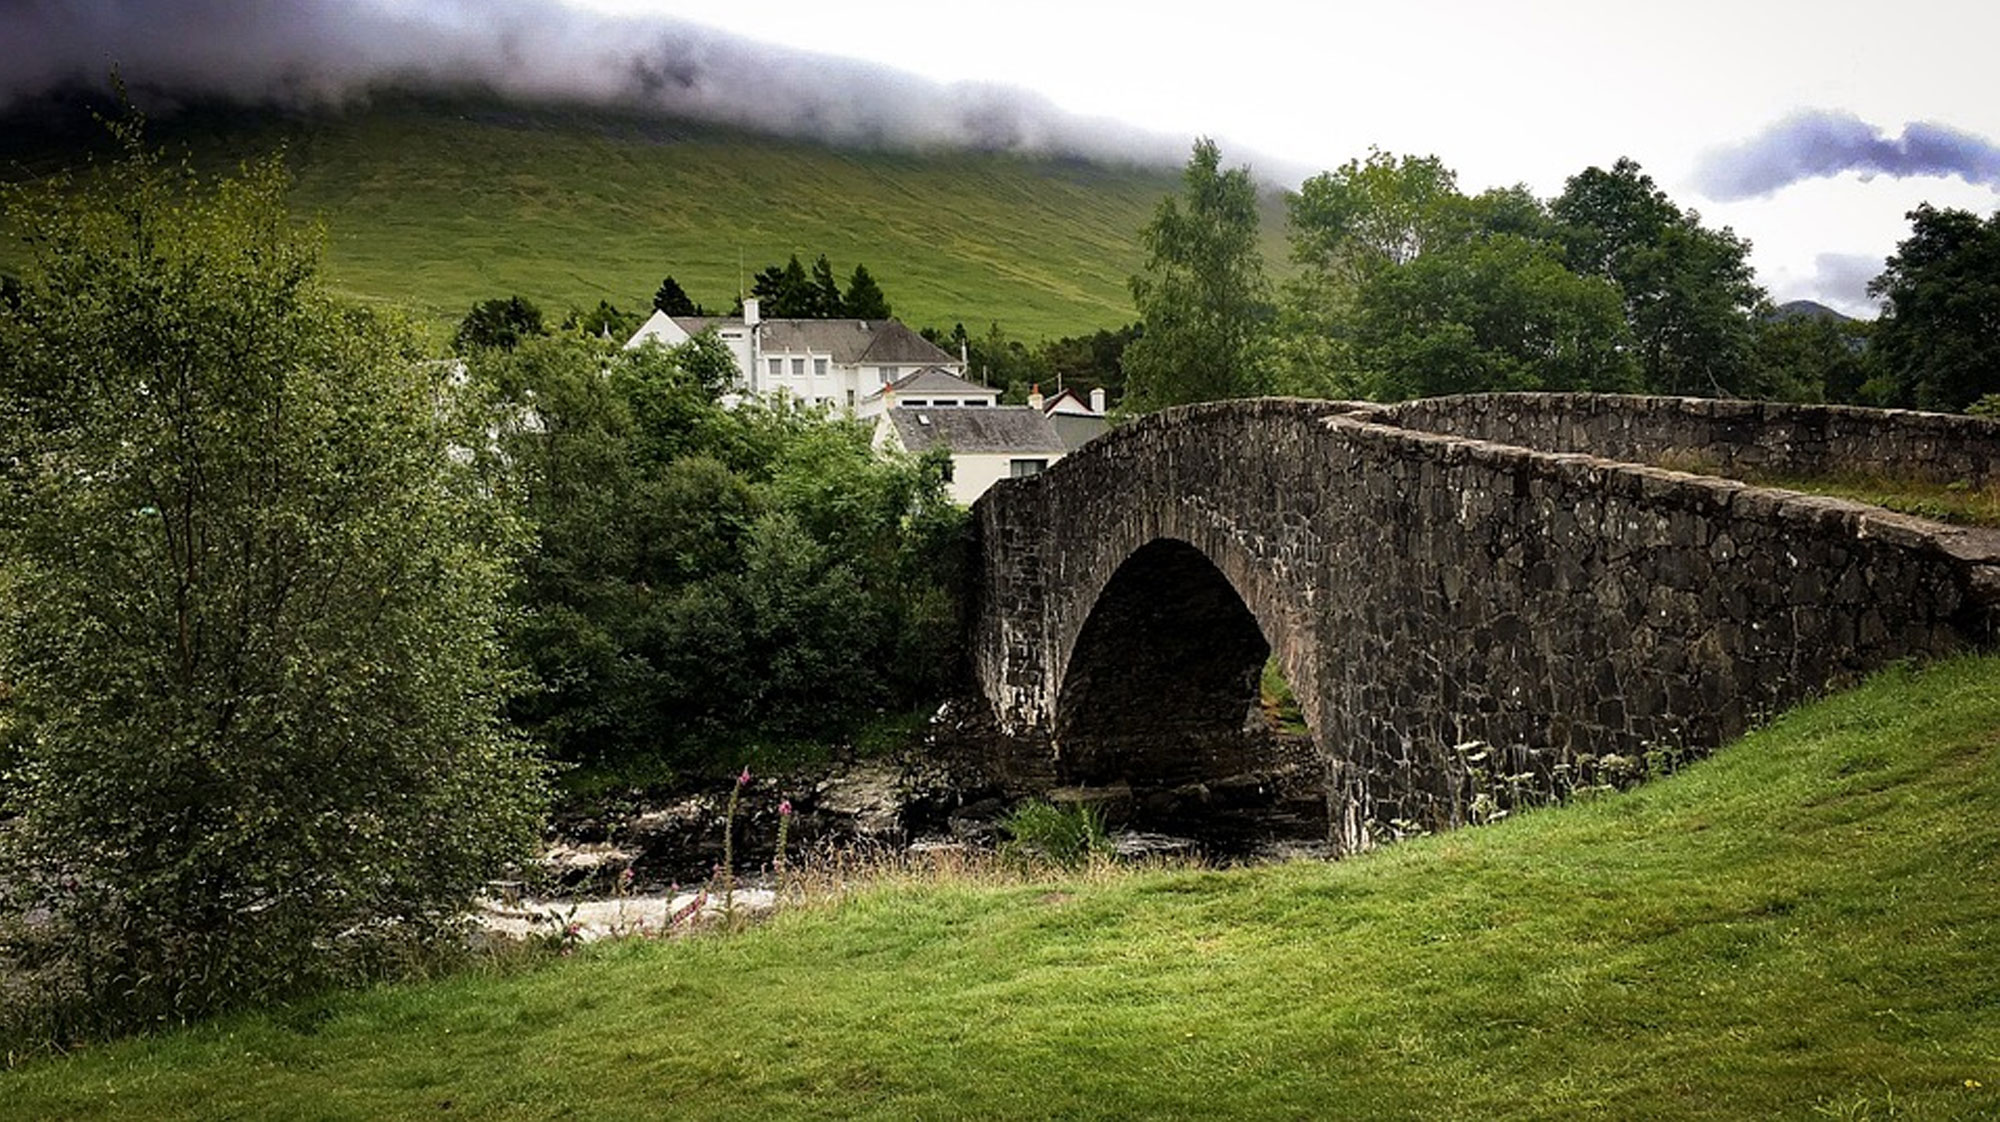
<point x="648" y="845"/>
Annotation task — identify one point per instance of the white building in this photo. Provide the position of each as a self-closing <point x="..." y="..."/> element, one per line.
<point x="834" y="362"/>
<point x="932" y="387"/>
<point x="1075" y="420"/>
<point x="987" y="443"/>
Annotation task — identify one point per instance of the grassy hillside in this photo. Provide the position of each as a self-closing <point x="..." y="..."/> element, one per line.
<point x="1806" y="926"/>
<point x="438" y="203"/>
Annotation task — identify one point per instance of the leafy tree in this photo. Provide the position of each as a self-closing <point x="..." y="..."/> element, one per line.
<point x="604" y="321"/>
<point x="865" y="299"/>
<point x="708" y="578"/>
<point x="1087" y="362"/>
<point x="1810" y="358"/>
<point x="1691" y="298"/>
<point x="826" y="301"/>
<point x="249" y="629"/>
<point x="1202" y="297"/>
<point x="1371" y="214"/>
<point x="1347" y="227"/>
<point x="1492" y="313"/>
<point x="1938" y="341"/>
<point x="672" y="299"/>
<point x="499" y="324"/>
<point x="1408" y="288"/>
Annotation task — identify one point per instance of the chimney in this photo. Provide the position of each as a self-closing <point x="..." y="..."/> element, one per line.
<point x="751" y="318"/>
<point x="1097" y="401"/>
<point x="1035" y="396"/>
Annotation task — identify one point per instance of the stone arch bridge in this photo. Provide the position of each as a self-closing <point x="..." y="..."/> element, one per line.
<point x="1526" y="571"/>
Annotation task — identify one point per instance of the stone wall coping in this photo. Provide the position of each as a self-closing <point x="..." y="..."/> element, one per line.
<point x="1715" y="407"/>
<point x="1664" y="486"/>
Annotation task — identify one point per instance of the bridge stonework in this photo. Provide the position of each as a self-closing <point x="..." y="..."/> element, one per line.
<point x="1508" y="569"/>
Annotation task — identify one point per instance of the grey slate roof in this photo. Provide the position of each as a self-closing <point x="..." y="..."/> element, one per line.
<point x="850" y="342"/>
<point x="999" y="428"/>
<point x="936" y="380"/>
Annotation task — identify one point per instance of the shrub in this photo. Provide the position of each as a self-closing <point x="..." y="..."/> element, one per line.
<point x="1070" y="836"/>
<point x="249" y="636"/>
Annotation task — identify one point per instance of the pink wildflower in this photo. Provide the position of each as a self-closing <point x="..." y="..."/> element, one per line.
<point x="785" y="808"/>
<point x="743" y="779"/>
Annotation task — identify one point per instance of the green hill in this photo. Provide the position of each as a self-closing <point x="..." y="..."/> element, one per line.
<point x="1806" y="925"/>
<point x="437" y="203"/>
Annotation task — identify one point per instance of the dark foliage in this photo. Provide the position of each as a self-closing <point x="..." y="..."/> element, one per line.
<point x="672" y="299"/>
<point x="1938" y="342"/>
<point x="499" y="325"/>
<point x="707" y="580"/>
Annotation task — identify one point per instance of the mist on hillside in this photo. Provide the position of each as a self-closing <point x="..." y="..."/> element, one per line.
<point x="321" y="53"/>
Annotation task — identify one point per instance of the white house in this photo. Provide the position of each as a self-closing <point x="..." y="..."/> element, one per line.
<point x="932" y="387"/>
<point x="1076" y="421"/>
<point x="834" y="362"/>
<point x="987" y="443"/>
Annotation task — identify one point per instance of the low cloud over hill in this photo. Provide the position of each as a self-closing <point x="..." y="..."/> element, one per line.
<point x="322" y="52"/>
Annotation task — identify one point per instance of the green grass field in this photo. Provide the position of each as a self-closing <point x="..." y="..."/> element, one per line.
<point x="436" y="204"/>
<point x="1805" y="926"/>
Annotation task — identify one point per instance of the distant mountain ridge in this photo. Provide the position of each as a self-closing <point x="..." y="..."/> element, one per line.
<point x="435" y="202"/>
<point x="1809" y="309"/>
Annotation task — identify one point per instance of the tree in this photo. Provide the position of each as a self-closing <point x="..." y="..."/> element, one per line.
<point x="1938" y="341"/>
<point x="604" y="321"/>
<point x="1489" y="314"/>
<point x="865" y="299"/>
<point x="1691" y="298"/>
<point x="1347" y="227"/>
<point x="1372" y="214"/>
<point x="786" y="291"/>
<point x="706" y="578"/>
<point x="499" y="324"/>
<point x="1810" y="357"/>
<point x="672" y="299"/>
<point x="1203" y="298"/>
<point x="250" y="629"/>
<point x="825" y="300"/>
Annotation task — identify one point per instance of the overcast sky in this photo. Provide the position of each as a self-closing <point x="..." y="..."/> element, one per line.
<point x="1784" y="120"/>
<point x="1810" y="128"/>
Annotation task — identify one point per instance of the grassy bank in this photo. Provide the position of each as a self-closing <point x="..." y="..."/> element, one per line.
<point x="1807" y="925"/>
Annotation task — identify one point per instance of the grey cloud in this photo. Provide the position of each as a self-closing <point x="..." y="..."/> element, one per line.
<point x="1817" y="143"/>
<point x="328" y="52"/>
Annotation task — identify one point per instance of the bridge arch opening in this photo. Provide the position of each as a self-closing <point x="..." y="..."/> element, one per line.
<point x="1165" y="694"/>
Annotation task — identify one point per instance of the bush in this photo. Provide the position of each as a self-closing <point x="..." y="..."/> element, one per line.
<point x="249" y="637"/>
<point x="1070" y="836"/>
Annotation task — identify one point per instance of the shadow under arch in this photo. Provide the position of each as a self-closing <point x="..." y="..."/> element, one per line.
<point x="1161" y="692"/>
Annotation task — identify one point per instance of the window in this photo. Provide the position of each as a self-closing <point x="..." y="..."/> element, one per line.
<point x="1020" y="468"/>
<point x="914" y="403"/>
<point x="819" y="368"/>
<point x="798" y="368"/>
<point x="777" y="366"/>
<point x="850" y="393"/>
<point x="975" y="401"/>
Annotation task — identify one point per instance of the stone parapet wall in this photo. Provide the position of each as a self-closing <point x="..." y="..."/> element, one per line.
<point x="1423" y="590"/>
<point x="1706" y="434"/>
